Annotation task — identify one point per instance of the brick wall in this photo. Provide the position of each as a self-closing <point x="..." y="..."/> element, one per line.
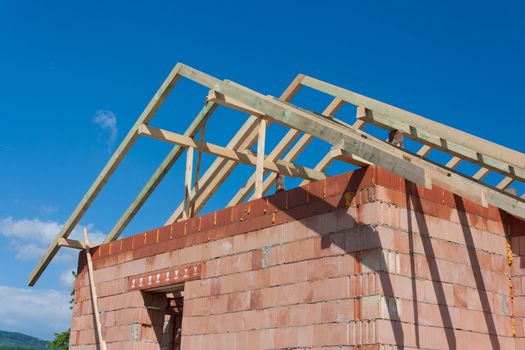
<point x="360" y="259"/>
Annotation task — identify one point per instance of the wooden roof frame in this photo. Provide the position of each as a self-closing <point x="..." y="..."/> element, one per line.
<point x="349" y="143"/>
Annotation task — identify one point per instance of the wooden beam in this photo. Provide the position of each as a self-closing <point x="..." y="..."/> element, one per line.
<point x="259" y="169"/>
<point x="353" y="141"/>
<point x="106" y="172"/>
<point x="94" y="298"/>
<point x="279" y="149"/>
<point x="481" y="173"/>
<point x="245" y="157"/>
<point x="424" y="151"/>
<point x="220" y="169"/>
<point x="441" y="131"/>
<point x="466" y="151"/>
<point x="453" y="162"/>
<point x="187" y="181"/>
<point x="159" y="174"/>
<point x="216" y="97"/>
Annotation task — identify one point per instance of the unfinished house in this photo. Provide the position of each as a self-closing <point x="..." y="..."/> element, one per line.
<point x="402" y="250"/>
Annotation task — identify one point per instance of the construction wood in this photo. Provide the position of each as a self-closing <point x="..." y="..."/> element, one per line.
<point x="402" y="164"/>
<point x="259" y="168"/>
<point x="458" y="137"/>
<point x="220" y="169"/>
<point x="187" y="181"/>
<point x="94" y="298"/>
<point x="245" y="157"/>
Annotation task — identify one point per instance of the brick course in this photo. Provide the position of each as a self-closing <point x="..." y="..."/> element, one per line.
<point x="363" y="259"/>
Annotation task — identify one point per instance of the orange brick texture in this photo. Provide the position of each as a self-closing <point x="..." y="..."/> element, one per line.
<point x="360" y="260"/>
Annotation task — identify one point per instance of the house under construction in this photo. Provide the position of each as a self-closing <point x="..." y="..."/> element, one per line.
<point x="404" y="251"/>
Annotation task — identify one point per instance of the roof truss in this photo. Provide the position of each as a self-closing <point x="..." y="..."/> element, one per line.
<point x="349" y="144"/>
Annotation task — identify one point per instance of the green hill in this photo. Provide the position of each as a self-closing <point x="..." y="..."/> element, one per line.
<point x="19" y="341"/>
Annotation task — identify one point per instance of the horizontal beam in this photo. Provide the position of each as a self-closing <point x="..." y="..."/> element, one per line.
<point x="71" y="243"/>
<point x="245" y="157"/>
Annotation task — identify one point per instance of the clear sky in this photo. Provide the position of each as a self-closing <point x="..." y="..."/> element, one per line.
<point x="74" y="76"/>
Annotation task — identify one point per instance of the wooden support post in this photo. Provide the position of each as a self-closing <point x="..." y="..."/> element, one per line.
<point x="505" y="183"/>
<point x="198" y="168"/>
<point x="221" y="168"/>
<point x="94" y="298"/>
<point x="187" y="182"/>
<point x="259" y="170"/>
<point x="245" y="156"/>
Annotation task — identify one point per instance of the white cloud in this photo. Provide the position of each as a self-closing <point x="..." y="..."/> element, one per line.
<point x="67" y="278"/>
<point x="107" y="121"/>
<point x="31" y="237"/>
<point x="37" y="312"/>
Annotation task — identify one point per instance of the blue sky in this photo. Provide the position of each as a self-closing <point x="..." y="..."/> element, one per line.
<point x="74" y="76"/>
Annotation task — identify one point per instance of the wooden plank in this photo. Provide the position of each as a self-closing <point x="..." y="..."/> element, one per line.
<point x="344" y="156"/>
<point x="465" y="151"/>
<point x="106" y="172"/>
<point x="481" y="173"/>
<point x="159" y="174"/>
<point x="459" y="137"/>
<point x="220" y="169"/>
<point x="259" y="169"/>
<point x="245" y="157"/>
<point x="387" y="156"/>
<point x="505" y="183"/>
<point x="71" y="243"/>
<point x="279" y="149"/>
<point x="453" y="162"/>
<point x="424" y="151"/>
<point x="94" y="298"/>
<point x="322" y="165"/>
<point x="187" y="181"/>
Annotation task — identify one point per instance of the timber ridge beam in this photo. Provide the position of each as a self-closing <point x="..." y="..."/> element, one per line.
<point x="349" y="144"/>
